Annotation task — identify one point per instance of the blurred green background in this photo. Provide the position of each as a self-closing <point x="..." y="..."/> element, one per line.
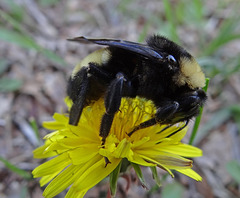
<point x="36" y="61"/>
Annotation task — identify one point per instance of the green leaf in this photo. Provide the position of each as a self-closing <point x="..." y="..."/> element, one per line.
<point x="3" y="66"/>
<point x="139" y="174"/>
<point x="34" y="126"/>
<point x="27" y="42"/>
<point x="233" y="168"/>
<point x="15" y="169"/>
<point x="193" y="12"/>
<point x="198" y="10"/>
<point x="174" y="190"/>
<point x="155" y="175"/>
<point x="113" y="179"/>
<point x="17" y="38"/>
<point x="52" y="56"/>
<point x="8" y="85"/>
<point x="198" y="118"/>
<point x="16" y="10"/>
<point x="180" y="11"/>
<point x="144" y="33"/>
<point x="235" y="109"/>
<point x="171" y="20"/>
<point x="225" y="35"/>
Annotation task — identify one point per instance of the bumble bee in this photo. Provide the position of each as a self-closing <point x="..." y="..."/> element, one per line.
<point x="160" y="71"/>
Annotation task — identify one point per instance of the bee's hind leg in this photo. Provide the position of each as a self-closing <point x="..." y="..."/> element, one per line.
<point x="78" y="87"/>
<point x="77" y="91"/>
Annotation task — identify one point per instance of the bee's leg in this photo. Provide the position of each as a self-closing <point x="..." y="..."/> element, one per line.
<point x="112" y="103"/>
<point x="143" y="125"/>
<point x="162" y="114"/>
<point x="189" y="106"/>
<point x="77" y="90"/>
<point x="179" y="129"/>
<point x="79" y="86"/>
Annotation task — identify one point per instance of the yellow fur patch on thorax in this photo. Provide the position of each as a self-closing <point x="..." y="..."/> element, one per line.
<point x="190" y="74"/>
<point x="99" y="57"/>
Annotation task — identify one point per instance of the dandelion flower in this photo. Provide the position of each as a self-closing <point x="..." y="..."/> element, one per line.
<point x="78" y="156"/>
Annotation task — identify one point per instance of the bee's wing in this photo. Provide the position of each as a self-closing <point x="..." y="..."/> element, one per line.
<point x="137" y="48"/>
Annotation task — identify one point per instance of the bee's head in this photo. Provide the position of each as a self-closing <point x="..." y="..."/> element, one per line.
<point x="186" y="71"/>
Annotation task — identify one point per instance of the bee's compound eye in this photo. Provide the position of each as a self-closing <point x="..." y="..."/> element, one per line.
<point x="171" y="59"/>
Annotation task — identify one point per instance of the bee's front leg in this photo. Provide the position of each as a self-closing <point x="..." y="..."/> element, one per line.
<point x="161" y="116"/>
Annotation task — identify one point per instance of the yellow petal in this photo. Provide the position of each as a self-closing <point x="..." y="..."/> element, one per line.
<point x="172" y="161"/>
<point x="68" y="176"/>
<point x="177" y="137"/>
<point x="183" y="150"/>
<point x="51" y="135"/>
<point x="139" y="160"/>
<point x="123" y="149"/>
<point x="60" y="122"/>
<point x="94" y="174"/>
<point x="52" y="166"/>
<point x="55" y="147"/>
<point x="167" y="132"/>
<point x="62" y="181"/>
<point x="74" y="194"/>
<point x="39" y="152"/>
<point x="68" y="102"/>
<point x="190" y="173"/>
<point x="83" y="154"/>
<point x="148" y="159"/>
<point x="45" y="179"/>
<point x="75" y="142"/>
<point x="86" y="131"/>
<point x="105" y="152"/>
<point x="140" y="143"/>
